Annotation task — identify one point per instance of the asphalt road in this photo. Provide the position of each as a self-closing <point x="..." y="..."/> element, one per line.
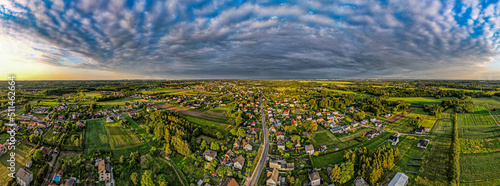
<point x="262" y="161"/>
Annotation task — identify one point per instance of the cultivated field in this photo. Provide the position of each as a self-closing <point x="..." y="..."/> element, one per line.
<point x="95" y="136"/>
<point x="121" y="102"/>
<point x="480" y="117"/>
<point x="417" y="101"/>
<point x="22" y="151"/>
<point x="359" y="132"/>
<point x="120" y="138"/>
<point x="480" y="145"/>
<point x="435" y="166"/>
<point x="489" y="103"/>
<point x="328" y="82"/>
<point x="481" y="166"/>
<point x="442" y="127"/>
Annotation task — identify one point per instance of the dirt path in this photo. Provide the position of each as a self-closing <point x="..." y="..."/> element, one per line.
<point x="173" y="167"/>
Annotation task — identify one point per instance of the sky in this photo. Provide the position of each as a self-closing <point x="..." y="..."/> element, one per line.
<point x="260" y="39"/>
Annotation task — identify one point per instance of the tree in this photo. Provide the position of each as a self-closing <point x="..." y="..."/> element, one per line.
<point x="153" y="151"/>
<point x="296" y="138"/>
<point x="310" y="126"/>
<point x="335" y="174"/>
<point x="242" y="132"/>
<point x="147" y="179"/>
<point x="214" y="146"/>
<point x="38" y="156"/>
<point x="288" y="145"/>
<point x="134" y="177"/>
<point x="181" y="146"/>
<point x="219" y="135"/>
<point x="238" y="120"/>
<point x="122" y="159"/>
<point x="347" y="172"/>
<point x="203" y="145"/>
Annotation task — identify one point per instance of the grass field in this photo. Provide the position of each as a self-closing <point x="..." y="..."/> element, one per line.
<point x="417" y="101"/>
<point x="169" y="91"/>
<point x="337" y="157"/>
<point x="22" y="152"/>
<point x="481" y="166"/>
<point x="489" y="103"/>
<point x="428" y="123"/>
<point x="95" y="136"/>
<point x="480" y="145"/>
<point x="323" y="137"/>
<point x="402" y="125"/>
<point x="442" y="127"/>
<point x="479" y="132"/>
<point x="120" y="138"/>
<point x="359" y="132"/>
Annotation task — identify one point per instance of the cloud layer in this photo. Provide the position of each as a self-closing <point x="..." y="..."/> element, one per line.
<point x="255" y="39"/>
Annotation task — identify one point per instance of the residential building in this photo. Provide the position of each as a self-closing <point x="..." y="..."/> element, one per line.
<point x="24" y="176"/>
<point x="229" y="182"/>
<point x="104" y="171"/>
<point x="239" y="162"/>
<point x="314" y="178"/>
<point x="423" y="143"/>
<point x="273" y="178"/>
<point x="210" y="154"/>
<point x="310" y="149"/>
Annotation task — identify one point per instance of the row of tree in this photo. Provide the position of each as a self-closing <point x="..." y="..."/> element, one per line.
<point x="454" y="172"/>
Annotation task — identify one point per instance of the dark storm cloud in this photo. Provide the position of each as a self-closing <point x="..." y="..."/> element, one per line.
<point x="259" y="39"/>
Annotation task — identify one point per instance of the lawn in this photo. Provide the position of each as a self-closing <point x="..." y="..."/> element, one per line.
<point x="120" y="138"/>
<point x="22" y="151"/>
<point x="428" y="123"/>
<point x="480" y="166"/>
<point x="323" y="137"/>
<point x="209" y="126"/>
<point x="95" y="136"/>
<point x="480" y="117"/>
<point x="417" y="101"/>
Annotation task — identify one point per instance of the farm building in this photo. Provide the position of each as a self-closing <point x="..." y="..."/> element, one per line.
<point x="400" y="179"/>
<point x="423" y="143"/>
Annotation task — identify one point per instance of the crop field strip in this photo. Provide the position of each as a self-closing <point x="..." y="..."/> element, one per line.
<point x="480" y="117"/>
<point x="96" y="137"/>
<point x="120" y="138"/>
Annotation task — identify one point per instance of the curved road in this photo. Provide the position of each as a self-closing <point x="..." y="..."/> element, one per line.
<point x="262" y="161"/>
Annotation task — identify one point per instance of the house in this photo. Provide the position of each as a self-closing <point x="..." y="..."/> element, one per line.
<point x="253" y="131"/>
<point x="359" y="181"/>
<point x="364" y="122"/>
<point x="104" y="171"/>
<point x="393" y="139"/>
<point x="210" y="154"/>
<point x="310" y="149"/>
<point x="422" y="130"/>
<point x="229" y="182"/>
<point x="45" y="150"/>
<point x="248" y="145"/>
<point x="423" y="143"/>
<point x="109" y="119"/>
<point x="400" y="179"/>
<point x="38" y="132"/>
<point x="336" y="129"/>
<point x="323" y="146"/>
<point x="314" y="178"/>
<point x="239" y="162"/>
<point x="236" y="144"/>
<point x="29" y="163"/>
<point x="296" y="144"/>
<point x="80" y="124"/>
<point x="229" y="154"/>
<point x="272" y="128"/>
<point x="24" y="176"/>
<point x="252" y="123"/>
<point x="70" y="182"/>
<point x="250" y="137"/>
<point x="280" y="135"/>
<point x="272" y="178"/>
<point x="281" y="144"/>
<point x="373" y="120"/>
